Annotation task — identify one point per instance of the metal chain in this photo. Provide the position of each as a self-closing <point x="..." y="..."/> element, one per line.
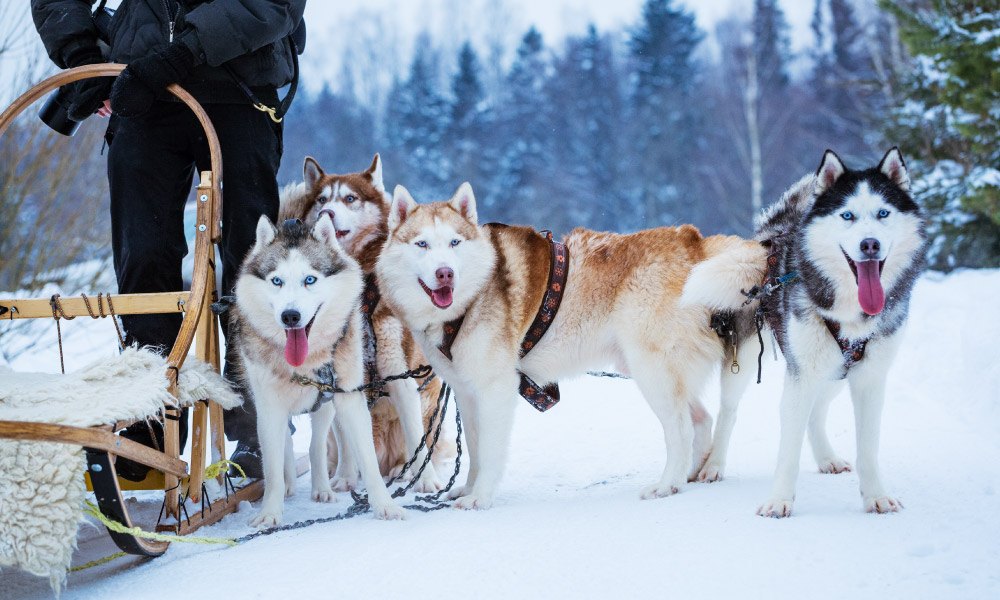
<point x="417" y="373"/>
<point x="361" y="505"/>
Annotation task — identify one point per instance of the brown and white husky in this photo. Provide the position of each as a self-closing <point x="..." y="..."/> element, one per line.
<point x="620" y="306"/>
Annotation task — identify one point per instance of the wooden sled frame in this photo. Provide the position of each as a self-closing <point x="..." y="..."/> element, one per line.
<point x="100" y="443"/>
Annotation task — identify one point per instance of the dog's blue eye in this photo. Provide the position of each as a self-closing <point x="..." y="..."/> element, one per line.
<point x="847" y="215"/>
<point x="421" y="244"/>
<point x="350" y="199"/>
<point x="455" y="243"/>
<point x="310" y="280"/>
<point x="883" y="213"/>
<point x="277" y="281"/>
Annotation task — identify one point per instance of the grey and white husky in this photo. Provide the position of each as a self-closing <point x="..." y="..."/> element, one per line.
<point x="297" y="310"/>
<point x="845" y="248"/>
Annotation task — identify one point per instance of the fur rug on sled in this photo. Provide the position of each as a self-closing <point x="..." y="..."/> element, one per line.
<point x="41" y="483"/>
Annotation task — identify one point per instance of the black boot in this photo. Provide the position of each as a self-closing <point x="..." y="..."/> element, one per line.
<point x="148" y="433"/>
<point x="248" y="457"/>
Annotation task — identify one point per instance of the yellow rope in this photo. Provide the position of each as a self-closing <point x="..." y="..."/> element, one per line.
<point x="117" y="527"/>
<point x="218" y="468"/>
<point x="211" y="472"/>
<point x="98" y="562"/>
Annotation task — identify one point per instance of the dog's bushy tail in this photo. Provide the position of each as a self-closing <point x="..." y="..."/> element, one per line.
<point x="732" y="265"/>
<point x="294" y="202"/>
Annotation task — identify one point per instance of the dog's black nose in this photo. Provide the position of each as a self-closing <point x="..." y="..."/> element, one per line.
<point x="870" y="248"/>
<point x="444" y="276"/>
<point x="291" y="318"/>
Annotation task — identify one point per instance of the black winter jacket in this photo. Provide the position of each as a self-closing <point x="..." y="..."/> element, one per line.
<point x="248" y="36"/>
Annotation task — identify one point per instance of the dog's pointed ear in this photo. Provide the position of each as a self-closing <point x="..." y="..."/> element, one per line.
<point x="374" y="172"/>
<point x="893" y="167"/>
<point x="265" y="234"/>
<point x="325" y="231"/>
<point x="829" y="171"/>
<point x="464" y="201"/>
<point x="311" y="172"/>
<point x="401" y="207"/>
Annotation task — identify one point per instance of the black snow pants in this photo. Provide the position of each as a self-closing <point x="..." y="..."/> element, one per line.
<point x="152" y="162"/>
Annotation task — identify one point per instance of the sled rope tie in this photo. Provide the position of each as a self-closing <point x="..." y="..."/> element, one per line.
<point x="59" y="313"/>
<point x="216" y="469"/>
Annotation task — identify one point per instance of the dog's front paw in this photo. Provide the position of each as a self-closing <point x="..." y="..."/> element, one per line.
<point x="266" y="519"/>
<point x="658" y="490"/>
<point x="882" y="505"/>
<point x="322" y="494"/>
<point x="389" y="512"/>
<point x="473" y="502"/>
<point x="834" y="465"/>
<point x="458" y="491"/>
<point x="344" y="484"/>
<point x="395" y="472"/>
<point x="776" y="509"/>
<point x="428" y="483"/>
<point x="711" y="472"/>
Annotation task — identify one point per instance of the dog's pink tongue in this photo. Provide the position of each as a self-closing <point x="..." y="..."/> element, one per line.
<point x="296" y="346"/>
<point x="870" y="292"/>
<point x="442" y="297"/>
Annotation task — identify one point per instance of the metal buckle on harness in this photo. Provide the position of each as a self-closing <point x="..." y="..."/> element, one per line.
<point x="270" y="111"/>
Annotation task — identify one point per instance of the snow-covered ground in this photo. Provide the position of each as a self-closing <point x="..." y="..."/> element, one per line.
<point x="568" y="521"/>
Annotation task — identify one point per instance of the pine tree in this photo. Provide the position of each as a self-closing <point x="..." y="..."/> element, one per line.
<point x="585" y="93"/>
<point x="525" y="137"/>
<point x="772" y="47"/>
<point x="468" y="129"/>
<point x="948" y="119"/>
<point x="318" y="125"/>
<point x="417" y="119"/>
<point x="664" y="117"/>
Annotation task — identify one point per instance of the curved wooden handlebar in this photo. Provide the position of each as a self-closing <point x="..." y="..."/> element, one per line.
<point x="209" y="211"/>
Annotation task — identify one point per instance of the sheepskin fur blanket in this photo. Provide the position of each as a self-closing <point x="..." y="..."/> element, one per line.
<point x="41" y="483"/>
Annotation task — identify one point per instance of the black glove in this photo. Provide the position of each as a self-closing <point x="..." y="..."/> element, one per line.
<point x="87" y="95"/>
<point x="135" y="89"/>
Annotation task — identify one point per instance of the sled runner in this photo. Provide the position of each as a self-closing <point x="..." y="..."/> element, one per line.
<point x="199" y="328"/>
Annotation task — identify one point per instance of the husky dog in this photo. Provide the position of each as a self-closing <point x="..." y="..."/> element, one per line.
<point x="359" y="206"/>
<point x="619" y="306"/>
<point x="849" y="245"/>
<point x="296" y="311"/>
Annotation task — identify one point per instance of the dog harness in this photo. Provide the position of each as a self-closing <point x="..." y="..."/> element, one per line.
<point x="541" y="398"/>
<point x="369" y="301"/>
<point x="852" y="351"/>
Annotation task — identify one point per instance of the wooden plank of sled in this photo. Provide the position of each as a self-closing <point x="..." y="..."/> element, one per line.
<point x="98" y="439"/>
<point x="222" y="507"/>
<point x="74" y="306"/>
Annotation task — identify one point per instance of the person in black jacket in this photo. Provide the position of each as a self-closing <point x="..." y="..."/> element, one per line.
<point x="156" y="146"/>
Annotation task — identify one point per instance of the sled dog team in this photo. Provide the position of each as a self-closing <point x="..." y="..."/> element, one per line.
<point x="353" y="284"/>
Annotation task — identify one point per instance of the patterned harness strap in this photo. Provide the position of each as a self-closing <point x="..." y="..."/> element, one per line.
<point x="542" y="398"/>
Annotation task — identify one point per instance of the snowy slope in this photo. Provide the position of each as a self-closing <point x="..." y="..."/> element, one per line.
<point x="568" y="521"/>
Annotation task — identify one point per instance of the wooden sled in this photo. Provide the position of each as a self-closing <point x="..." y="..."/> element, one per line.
<point x="101" y="444"/>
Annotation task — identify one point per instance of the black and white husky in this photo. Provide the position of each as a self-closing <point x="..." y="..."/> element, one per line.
<point x="845" y="249"/>
<point x="297" y="311"/>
